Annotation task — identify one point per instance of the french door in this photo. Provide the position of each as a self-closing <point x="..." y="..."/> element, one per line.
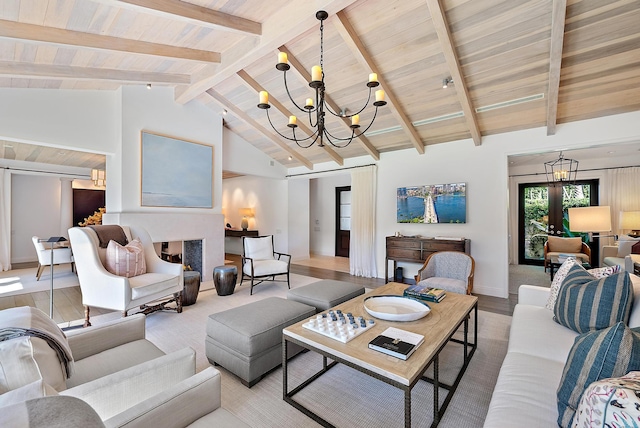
<point x="543" y="211"/>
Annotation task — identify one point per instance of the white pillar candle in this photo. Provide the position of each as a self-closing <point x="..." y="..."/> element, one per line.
<point x="379" y="95"/>
<point x="373" y="77"/>
<point x="292" y="120"/>
<point x="316" y="73"/>
<point x="309" y="102"/>
<point x="355" y="120"/>
<point x="264" y="97"/>
<point x="282" y="58"/>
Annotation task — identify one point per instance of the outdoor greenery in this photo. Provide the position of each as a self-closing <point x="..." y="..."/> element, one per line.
<point x="536" y="215"/>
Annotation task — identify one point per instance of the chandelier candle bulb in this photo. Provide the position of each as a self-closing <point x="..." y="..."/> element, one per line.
<point x="282" y="58"/>
<point x="379" y="95"/>
<point x="373" y="77"/>
<point x="316" y="73"/>
<point x="264" y="97"/>
<point x="309" y="103"/>
<point x="355" y="120"/>
<point x="293" y="120"/>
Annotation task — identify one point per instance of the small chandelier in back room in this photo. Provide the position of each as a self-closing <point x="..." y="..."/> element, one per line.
<point x="561" y="170"/>
<point x="316" y="109"/>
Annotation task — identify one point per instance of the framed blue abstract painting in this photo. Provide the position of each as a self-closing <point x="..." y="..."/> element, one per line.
<point x="175" y="173"/>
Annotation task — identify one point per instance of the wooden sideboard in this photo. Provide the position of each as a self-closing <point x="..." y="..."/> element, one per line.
<point x="417" y="249"/>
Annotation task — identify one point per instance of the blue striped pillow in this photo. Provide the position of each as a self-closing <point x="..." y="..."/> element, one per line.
<point x="585" y="303"/>
<point x="596" y="355"/>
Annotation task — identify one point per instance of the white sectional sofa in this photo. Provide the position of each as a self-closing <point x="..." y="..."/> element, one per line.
<point x="525" y="393"/>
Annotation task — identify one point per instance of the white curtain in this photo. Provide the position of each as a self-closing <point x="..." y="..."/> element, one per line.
<point x="362" y="257"/>
<point x="5" y="204"/>
<point x="624" y="193"/>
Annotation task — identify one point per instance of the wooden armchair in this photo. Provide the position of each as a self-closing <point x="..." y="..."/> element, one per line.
<point x="448" y="270"/>
<point x="557" y="245"/>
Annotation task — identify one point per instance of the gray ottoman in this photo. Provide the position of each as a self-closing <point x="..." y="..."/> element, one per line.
<point x="325" y="294"/>
<point x="247" y="340"/>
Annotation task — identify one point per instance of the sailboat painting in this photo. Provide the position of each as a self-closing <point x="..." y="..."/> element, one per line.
<point x="434" y="203"/>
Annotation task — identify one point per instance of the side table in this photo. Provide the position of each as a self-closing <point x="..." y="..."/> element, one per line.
<point x="191" y="287"/>
<point x="224" y="279"/>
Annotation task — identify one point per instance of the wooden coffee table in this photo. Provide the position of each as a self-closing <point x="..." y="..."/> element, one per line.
<point x="438" y="327"/>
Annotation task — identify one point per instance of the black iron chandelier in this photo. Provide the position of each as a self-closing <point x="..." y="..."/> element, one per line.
<point x="561" y="170"/>
<point x="319" y="107"/>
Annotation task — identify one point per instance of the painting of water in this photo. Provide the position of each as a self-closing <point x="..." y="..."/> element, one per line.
<point x="435" y="203"/>
<point x="176" y="173"/>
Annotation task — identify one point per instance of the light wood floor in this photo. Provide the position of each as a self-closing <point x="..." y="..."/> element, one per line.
<point x="67" y="302"/>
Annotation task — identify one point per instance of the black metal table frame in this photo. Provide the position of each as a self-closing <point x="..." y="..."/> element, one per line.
<point x="438" y="411"/>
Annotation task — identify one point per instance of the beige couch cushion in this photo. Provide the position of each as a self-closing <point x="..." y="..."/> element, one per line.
<point x="565" y="245"/>
<point x="26" y="359"/>
<point x="29" y="391"/>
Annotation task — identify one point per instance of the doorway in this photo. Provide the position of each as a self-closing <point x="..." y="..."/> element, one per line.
<point x="543" y="211"/>
<point x="343" y="220"/>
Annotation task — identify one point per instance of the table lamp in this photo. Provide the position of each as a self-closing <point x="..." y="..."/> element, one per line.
<point x="245" y="212"/>
<point x="630" y="220"/>
<point x="595" y="219"/>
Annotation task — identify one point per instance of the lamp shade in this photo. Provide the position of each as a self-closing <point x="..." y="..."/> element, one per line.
<point x="246" y="212"/>
<point x="590" y="219"/>
<point x="630" y="220"/>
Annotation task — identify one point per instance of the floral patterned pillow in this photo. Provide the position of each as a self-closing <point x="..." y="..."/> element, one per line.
<point x="604" y="271"/>
<point x="558" y="278"/>
<point x="610" y="402"/>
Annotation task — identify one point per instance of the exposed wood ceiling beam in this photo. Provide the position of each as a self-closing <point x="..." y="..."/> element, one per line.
<point x="306" y="76"/>
<point x="300" y="16"/>
<point x="191" y="13"/>
<point x="274" y="138"/>
<point x="252" y="84"/>
<point x="352" y="40"/>
<point x="64" y="72"/>
<point x="38" y="33"/>
<point x="555" y="61"/>
<point x="450" y="56"/>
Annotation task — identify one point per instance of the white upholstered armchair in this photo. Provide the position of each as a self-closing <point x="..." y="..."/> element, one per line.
<point x="103" y="289"/>
<point x="448" y="270"/>
<point x="61" y="255"/>
<point x="260" y="261"/>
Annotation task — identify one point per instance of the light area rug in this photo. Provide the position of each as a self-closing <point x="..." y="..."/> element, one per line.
<point x="345" y="397"/>
<point x="21" y="281"/>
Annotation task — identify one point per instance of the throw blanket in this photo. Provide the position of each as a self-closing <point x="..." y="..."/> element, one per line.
<point x="28" y="321"/>
<point x="108" y="233"/>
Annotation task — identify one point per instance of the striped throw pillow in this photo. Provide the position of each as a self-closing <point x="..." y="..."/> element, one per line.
<point x="585" y="303"/>
<point x="126" y="261"/>
<point x="607" y="353"/>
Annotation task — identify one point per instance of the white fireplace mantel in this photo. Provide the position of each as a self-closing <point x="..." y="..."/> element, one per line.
<point x="164" y="227"/>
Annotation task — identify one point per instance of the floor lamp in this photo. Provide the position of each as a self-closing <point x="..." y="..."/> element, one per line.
<point x="52" y="241"/>
<point x="595" y="219"/>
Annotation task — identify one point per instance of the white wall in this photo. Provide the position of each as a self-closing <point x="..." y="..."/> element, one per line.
<point x="299" y="225"/>
<point x="243" y="158"/>
<point x="485" y="171"/>
<point x="155" y="111"/>
<point x="35" y="210"/>
<point x="84" y="120"/>
<point x="269" y="199"/>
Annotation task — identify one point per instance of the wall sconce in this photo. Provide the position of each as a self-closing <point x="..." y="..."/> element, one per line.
<point x="630" y="220"/>
<point x="245" y="212"/>
<point x="561" y="170"/>
<point x="99" y="177"/>
<point x="595" y="219"/>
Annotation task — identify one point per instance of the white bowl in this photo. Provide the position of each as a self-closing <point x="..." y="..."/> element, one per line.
<point x="396" y="308"/>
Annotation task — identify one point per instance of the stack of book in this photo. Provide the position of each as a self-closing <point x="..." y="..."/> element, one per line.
<point x="423" y="292"/>
<point x="397" y="343"/>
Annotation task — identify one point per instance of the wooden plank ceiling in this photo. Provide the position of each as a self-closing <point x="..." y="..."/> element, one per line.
<point x="515" y="64"/>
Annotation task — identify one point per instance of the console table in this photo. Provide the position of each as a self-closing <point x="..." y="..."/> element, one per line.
<point x="240" y="233"/>
<point x="417" y="249"/>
